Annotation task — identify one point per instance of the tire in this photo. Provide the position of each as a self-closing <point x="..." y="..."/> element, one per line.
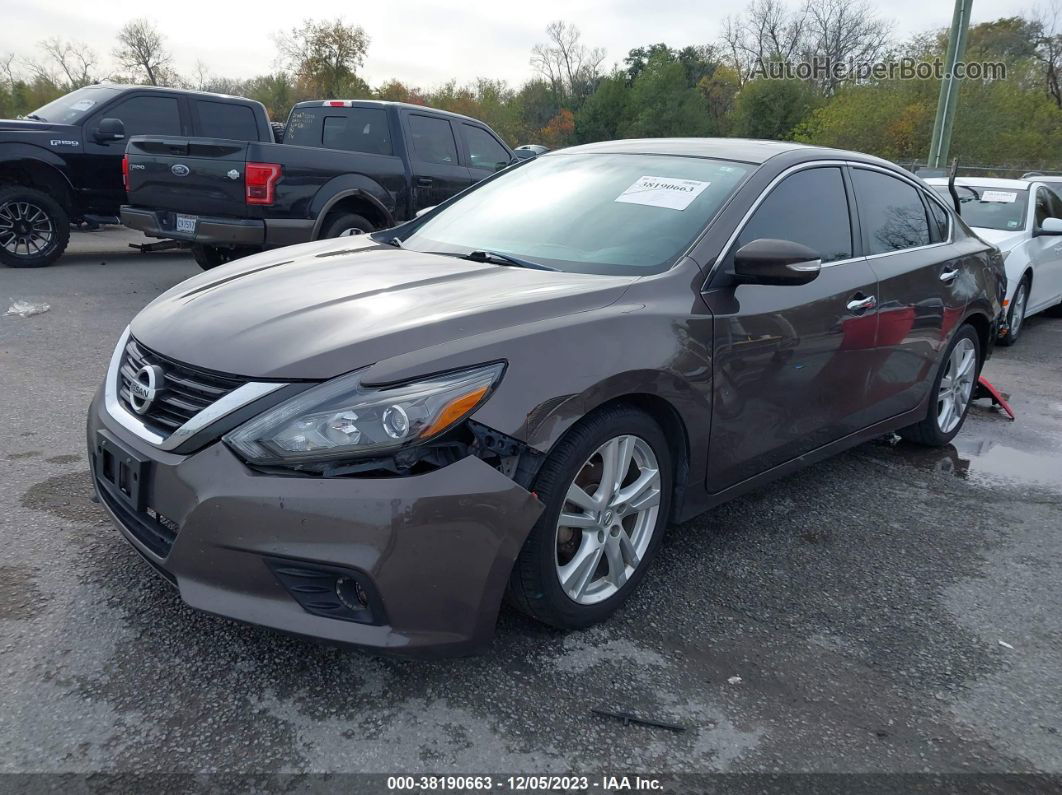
<point x="930" y="431"/>
<point x="207" y="257"/>
<point x="278" y="131"/>
<point x="336" y="225"/>
<point x="34" y="228"/>
<point x="1016" y="313"/>
<point x="535" y="583"/>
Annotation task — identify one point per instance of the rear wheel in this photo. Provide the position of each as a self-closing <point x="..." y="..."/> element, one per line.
<point x="344" y="223"/>
<point x="952" y="392"/>
<point x="34" y="228"/>
<point x="207" y="257"/>
<point x="607" y="489"/>
<point x="1016" y="313"/>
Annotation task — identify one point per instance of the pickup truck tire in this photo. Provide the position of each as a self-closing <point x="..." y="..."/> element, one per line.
<point x="336" y="225"/>
<point x="207" y="257"/>
<point x="34" y="228"/>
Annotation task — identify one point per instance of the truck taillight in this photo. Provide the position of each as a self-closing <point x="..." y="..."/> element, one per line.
<point x="261" y="180"/>
<point x="125" y="172"/>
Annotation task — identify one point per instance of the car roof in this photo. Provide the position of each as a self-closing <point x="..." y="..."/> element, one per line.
<point x="746" y="150"/>
<point x="381" y="103"/>
<point x="985" y="182"/>
<point x="131" y="86"/>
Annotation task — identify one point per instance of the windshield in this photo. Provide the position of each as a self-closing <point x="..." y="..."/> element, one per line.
<point x="989" y="208"/>
<point x="73" y="107"/>
<point x="588" y="213"/>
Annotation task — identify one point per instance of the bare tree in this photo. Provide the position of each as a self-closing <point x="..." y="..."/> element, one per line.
<point x="767" y="31"/>
<point x="570" y="66"/>
<point x="141" y="50"/>
<point x="76" y="60"/>
<point x="1049" y="49"/>
<point x="7" y="67"/>
<point x="840" y="32"/>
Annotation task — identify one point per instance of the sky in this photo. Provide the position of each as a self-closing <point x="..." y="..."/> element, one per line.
<point x="419" y="42"/>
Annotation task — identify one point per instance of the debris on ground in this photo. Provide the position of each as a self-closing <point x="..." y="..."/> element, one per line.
<point x="1005" y="645"/>
<point x="26" y="309"/>
<point x="734" y="680"/>
<point x="629" y="718"/>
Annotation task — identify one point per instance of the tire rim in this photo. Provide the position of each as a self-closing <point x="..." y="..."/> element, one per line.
<point x="1017" y="313"/>
<point x="607" y="520"/>
<point x="956" y="386"/>
<point x="25" y="229"/>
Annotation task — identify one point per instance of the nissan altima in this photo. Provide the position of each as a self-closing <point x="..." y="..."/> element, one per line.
<point x="375" y="440"/>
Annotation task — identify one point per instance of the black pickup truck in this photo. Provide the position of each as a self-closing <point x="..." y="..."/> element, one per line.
<point x="63" y="162"/>
<point x="345" y="167"/>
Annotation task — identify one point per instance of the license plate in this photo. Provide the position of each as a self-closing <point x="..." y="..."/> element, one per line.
<point x="186" y="223"/>
<point x="121" y="471"/>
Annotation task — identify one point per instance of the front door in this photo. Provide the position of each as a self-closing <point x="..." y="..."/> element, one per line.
<point x="791" y="362"/>
<point x="437" y="170"/>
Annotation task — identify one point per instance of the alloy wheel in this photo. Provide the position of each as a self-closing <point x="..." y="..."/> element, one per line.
<point x="608" y="519"/>
<point x="25" y="228"/>
<point x="956" y="385"/>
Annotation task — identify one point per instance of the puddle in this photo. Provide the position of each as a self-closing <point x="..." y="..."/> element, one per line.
<point x="989" y="462"/>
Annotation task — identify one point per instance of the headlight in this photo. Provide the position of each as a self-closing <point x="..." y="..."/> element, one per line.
<point x="341" y="419"/>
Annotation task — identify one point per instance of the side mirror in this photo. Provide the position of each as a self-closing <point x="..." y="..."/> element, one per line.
<point x="109" y="130"/>
<point x="525" y="154"/>
<point x="1050" y="226"/>
<point x="767" y="261"/>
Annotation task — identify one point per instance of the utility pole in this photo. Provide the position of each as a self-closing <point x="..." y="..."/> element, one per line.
<point x="949" y="86"/>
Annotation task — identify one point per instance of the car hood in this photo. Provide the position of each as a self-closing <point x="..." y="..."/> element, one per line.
<point x="29" y="125"/>
<point x="1003" y="239"/>
<point x="320" y="309"/>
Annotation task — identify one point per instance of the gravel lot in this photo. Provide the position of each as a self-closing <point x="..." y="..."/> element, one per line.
<point x="864" y="604"/>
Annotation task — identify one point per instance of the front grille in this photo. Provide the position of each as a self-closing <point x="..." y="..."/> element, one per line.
<point x="184" y="392"/>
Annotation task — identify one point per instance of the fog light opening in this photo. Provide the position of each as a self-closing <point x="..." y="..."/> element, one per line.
<point x="351" y="594"/>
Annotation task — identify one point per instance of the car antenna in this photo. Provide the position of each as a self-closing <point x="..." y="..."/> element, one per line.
<point x="951" y="185"/>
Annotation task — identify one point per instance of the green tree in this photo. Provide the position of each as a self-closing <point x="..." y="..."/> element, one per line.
<point x="604" y="114"/>
<point x="772" y="109"/>
<point x="663" y="104"/>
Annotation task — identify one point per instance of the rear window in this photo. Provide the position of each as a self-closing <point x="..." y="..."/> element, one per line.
<point x="357" y="130"/>
<point x="226" y="120"/>
<point x="990" y="208"/>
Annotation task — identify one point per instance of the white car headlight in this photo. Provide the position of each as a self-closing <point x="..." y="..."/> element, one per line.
<point x="342" y="419"/>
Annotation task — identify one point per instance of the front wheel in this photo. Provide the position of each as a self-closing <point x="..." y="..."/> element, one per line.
<point x="1016" y="313"/>
<point x="953" y="391"/>
<point x="34" y="228"/>
<point x="607" y="492"/>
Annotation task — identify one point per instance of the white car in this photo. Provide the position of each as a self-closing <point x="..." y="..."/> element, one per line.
<point x="1023" y="218"/>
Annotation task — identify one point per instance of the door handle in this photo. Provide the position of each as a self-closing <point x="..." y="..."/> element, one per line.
<point x="948" y="276"/>
<point x="424" y="182"/>
<point x="860" y="304"/>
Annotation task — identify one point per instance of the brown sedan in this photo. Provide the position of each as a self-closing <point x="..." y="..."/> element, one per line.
<point x="374" y="439"/>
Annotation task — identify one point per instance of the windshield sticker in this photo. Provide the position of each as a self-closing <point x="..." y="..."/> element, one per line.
<point x="1004" y="196"/>
<point x="674" y="194"/>
<point x="83" y="104"/>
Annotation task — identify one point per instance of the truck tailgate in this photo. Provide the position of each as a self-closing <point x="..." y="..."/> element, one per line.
<point x="203" y="176"/>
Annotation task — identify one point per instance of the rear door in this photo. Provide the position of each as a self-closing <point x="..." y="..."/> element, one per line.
<point x="792" y="362"/>
<point x="482" y="151"/>
<point x="147" y="113"/>
<point x="436" y="168"/>
<point x="922" y="288"/>
<point x="1045" y="253"/>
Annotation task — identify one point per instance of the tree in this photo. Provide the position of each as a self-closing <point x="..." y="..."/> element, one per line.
<point x="604" y="114"/>
<point x="838" y="32"/>
<point x="77" y="61"/>
<point x="662" y="103"/>
<point x="324" y="56"/>
<point x="767" y="31"/>
<point x="569" y="65"/>
<point x="772" y="109"/>
<point x="1048" y="51"/>
<point x="141" y="50"/>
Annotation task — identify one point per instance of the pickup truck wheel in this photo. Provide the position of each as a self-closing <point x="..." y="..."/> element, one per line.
<point x="34" y="228"/>
<point x="349" y="223"/>
<point x="207" y="257"/>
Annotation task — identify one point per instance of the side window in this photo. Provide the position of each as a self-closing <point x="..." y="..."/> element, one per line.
<point x="891" y="212"/>
<point x="433" y="140"/>
<point x="940" y="220"/>
<point x="226" y="120"/>
<point x="1043" y="206"/>
<point x="484" y="151"/>
<point x="146" y="115"/>
<point x="358" y="130"/>
<point x="808" y="207"/>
